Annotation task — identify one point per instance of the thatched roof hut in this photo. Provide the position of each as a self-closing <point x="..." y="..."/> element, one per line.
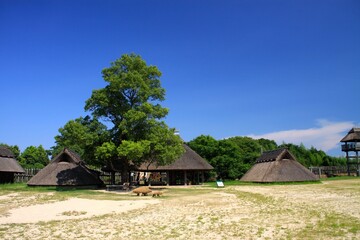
<point x="189" y="160"/>
<point x="66" y="169"/>
<point x="278" y="166"/>
<point x="190" y="167"/>
<point x="8" y="165"/>
<point x="352" y="136"/>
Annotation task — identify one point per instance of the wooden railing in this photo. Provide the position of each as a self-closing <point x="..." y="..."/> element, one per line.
<point x="350" y="147"/>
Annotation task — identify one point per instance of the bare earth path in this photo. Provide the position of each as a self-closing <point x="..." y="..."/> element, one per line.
<point x="330" y="210"/>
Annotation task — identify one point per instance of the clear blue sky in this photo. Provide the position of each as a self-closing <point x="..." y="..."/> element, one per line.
<point x="285" y="69"/>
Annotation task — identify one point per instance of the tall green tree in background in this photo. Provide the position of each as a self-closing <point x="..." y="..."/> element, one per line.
<point x="34" y="157"/>
<point x="228" y="162"/>
<point x="130" y="102"/>
<point x="224" y="155"/>
<point x="134" y="133"/>
<point x="82" y="135"/>
<point x="250" y="149"/>
<point x="205" y="145"/>
<point x="267" y="145"/>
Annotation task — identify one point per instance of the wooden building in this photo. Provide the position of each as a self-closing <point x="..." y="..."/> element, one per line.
<point x="351" y="147"/>
<point x="189" y="169"/>
<point x="66" y="169"/>
<point x="8" y="165"/>
<point x="278" y="166"/>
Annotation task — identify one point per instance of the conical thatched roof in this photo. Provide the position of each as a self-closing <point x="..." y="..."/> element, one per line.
<point x="8" y="162"/>
<point x="352" y="136"/>
<point x="278" y="166"/>
<point x="189" y="160"/>
<point x="66" y="169"/>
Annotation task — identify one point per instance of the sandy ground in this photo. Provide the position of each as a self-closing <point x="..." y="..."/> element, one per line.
<point x="71" y="209"/>
<point x="312" y="211"/>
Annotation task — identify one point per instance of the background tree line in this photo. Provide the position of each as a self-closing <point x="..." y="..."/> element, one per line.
<point x="232" y="157"/>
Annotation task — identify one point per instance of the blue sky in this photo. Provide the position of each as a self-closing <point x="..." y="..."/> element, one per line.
<point x="288" y="70"/>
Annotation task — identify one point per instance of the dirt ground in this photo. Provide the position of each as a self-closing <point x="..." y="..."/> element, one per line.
<point x="330" y="210"/>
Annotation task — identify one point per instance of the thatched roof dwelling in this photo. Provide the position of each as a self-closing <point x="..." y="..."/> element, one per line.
<point x="189" y="168"/>
<point x="8" y="165"/>
<point x="66" y="169"/>
<point x="352" y="136"/>
<point x="190" y="160"/>
<point x="278" y="166"/>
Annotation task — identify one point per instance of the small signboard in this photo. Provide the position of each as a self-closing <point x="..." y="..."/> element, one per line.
<point x="220" y="183"/>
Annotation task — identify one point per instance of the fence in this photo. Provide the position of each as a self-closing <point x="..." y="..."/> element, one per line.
<point x="30" y="172"/>
<point x="24" y="177"/>
<point x="332" y="171"/>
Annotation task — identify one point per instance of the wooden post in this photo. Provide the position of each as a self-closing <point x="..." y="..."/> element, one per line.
<point x="112" y="177"/>
<point x="168" y="178"/>
<point x="357" y="161"/>
<point x="185" y="177"/>
<point x="347" y="159"/>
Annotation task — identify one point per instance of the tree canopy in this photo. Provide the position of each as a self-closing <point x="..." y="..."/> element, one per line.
<point x="232" y="157"/>
<point x="130" y="104"/>
<point x="82" y="135"/>
<point x="130" y="101"/>
<point x="34" y="157"/>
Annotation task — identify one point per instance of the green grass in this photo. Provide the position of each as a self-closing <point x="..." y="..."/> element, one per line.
<point x="331" y="226"/>
<point x="340" y="178"/>
<point x="240" y="183"/>
<point x="61" y="193"/>
<point x="228" y="183"/>
<point x="254" y="197"/>
<point x="15" y="187"/>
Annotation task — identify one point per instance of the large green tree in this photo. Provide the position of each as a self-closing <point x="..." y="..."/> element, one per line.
<point x="82" y="135"/>
<point x="34" y="157"/>
<point x="224" y="155"/>
<point x="131" y="103"/>
<point x="250" y="149"/>
<point x="206" y="146"/>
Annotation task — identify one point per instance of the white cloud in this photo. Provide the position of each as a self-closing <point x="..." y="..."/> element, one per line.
<point x="325" y="136"/>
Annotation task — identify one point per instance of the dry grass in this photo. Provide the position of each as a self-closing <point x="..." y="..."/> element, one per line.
<point x="322" y="211"/>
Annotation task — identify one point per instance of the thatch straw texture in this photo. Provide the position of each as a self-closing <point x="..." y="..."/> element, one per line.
<point x="278" y="166"/>
<point x="190" y="160"/>
<point x="352" y="136"/>
<point x="66" y="169"/>
<point x="7" y="161"/>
